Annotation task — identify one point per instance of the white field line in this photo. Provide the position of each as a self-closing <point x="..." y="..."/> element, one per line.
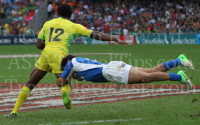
<point x="84" y="97"/>
<point x="17" y="56"/>
<point x="75" y="91"/>
<point x="85" y="90"/>
<point x="58" y="102"/>
<point x="101" y="121"/>
<point x="38" y="55"/>
<point x="80" y="98"/>
<point x="15" y="76"/>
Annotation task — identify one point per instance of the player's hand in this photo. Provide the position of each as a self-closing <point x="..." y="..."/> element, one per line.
<point x="60" y="82"/>
<point x="123" y="42"/>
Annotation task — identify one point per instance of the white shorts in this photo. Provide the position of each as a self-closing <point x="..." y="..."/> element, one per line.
<point x="117" y="72"/>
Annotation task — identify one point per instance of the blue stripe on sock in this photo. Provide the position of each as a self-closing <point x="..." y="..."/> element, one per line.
<point x="172" y="64"/>
<point x="175" y="77"/>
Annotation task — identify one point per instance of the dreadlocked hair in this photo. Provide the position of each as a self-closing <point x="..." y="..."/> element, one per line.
<point x="65" y="60"/>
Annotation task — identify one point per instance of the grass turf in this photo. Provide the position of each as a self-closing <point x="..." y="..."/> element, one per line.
<point x="174" y="110"/>
<point x="146" y="56"/>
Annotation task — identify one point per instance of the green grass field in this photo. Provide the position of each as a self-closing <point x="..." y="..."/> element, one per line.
<point x="174" y="110"/>
<point x="138" y="55"/>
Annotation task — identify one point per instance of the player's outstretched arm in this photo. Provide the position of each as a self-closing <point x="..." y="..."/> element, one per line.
<point x="40" y="44"/>
<point x="104" y="37"/>
<point x="97" y="35"/>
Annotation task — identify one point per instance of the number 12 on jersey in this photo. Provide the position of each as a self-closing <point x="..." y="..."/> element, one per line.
<point x="59" y="31"/>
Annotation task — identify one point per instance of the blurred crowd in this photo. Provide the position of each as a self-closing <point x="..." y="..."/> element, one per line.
<point x="15" y="15"/>
<point x="119" y="16"/>
<point x="138" y="16"/>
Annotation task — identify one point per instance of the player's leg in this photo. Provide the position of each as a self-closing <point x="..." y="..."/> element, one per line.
<point x="55" y="61"/>
<point x="65" y="91"/>
<point x="35" y="76"/>
<point x="39" y="71"/>
<point x="137" y="76"/>
<point x="163" y="67"/>
<point x="158" y="68"/>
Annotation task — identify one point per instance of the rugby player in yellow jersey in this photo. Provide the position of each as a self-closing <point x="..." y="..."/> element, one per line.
<point x="54" y="39"/>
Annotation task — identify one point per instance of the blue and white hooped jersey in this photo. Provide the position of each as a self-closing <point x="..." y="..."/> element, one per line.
<point x="89" y="70"/>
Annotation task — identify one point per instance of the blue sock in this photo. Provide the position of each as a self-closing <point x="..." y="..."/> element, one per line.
<point x="172" y="64"/>
<point x="175" y="77"/>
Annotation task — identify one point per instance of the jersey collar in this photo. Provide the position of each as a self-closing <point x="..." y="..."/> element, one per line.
<point x="63" y="18"/>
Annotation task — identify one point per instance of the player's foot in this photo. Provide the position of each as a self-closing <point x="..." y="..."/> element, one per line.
<point x="11" y="115"/>
<point x="185" y="81"/>
<point x="185" y="62"/>
<point x="70" y="105"/>
<point x="66" y="100"/>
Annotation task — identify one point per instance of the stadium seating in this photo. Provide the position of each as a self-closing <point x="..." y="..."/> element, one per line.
<point x="109" y="16"/>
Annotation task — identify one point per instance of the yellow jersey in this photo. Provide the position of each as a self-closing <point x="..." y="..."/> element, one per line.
<point x="59" y="33"/>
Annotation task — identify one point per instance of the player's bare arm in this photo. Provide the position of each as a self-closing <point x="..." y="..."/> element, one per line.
<point x="104" y="37"/>
<point x="40" y="44"/>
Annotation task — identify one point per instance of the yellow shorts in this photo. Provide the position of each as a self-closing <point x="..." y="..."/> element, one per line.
<point x="50" y="61"/>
